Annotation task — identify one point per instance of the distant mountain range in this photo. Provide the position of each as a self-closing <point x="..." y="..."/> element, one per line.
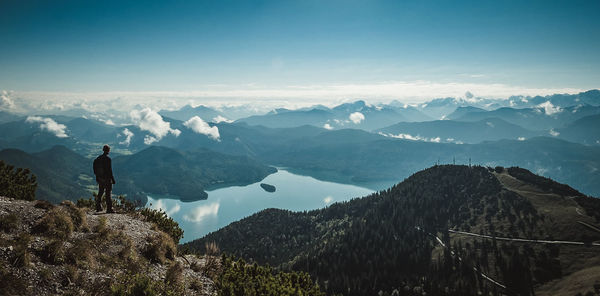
<point x="446" y="230"/>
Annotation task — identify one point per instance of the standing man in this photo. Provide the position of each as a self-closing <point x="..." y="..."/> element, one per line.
<point x="105" y="179"/>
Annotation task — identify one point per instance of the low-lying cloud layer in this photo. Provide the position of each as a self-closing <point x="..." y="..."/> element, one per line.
<point x="150" y="121"/>
<point x="414" y="138"/>
<point x="50" y="125"/>
<point x="201" y="127"/>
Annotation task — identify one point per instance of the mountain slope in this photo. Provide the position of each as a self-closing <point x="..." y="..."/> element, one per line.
<point x="585" y="130"/>
<point x="387" y="240"/>
<point x="538" y="118"/>
<point x="61" y="173"/>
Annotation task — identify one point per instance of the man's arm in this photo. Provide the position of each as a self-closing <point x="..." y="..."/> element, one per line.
<point x="112" y="178"/>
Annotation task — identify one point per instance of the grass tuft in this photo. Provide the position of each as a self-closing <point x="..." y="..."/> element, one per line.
<point x="56" y="223"/>
<point x="9" y="222"/>
<point x="160" y="248"/>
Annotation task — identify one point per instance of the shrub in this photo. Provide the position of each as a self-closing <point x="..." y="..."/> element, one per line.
<point x="126" y="206"/>
<point x="163" y="222"/>
<point x="53" y="252"/>
<point x="56" y="223"/>
<point x="134" y="285"/>
<point x="79" y="254"/>
<point x="237" y="275"/>
<point x="17" y="183"/>
<point x="86" y="203"/>
<point x="21" y="256"/>
<point x="160" y="248"/>
<point x="101" y="228"/>
<point x="77" y="216"/>
<point x="10" y="284"/>
<point x="174" y="278"/>
<point x="9" y="222"/>
<point x="44" y="204"/>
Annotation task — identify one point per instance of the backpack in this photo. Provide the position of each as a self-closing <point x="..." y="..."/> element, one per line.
<point x="98" y="167"/>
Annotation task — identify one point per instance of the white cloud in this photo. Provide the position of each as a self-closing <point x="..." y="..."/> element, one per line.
<point x="220" y="118"/>
<point x="554" y="133"/>
<point x="327" y="126"/>
<point x="50" y="125"/>
<point x="201" y="127"/>
<point x="416" y="138"/>
<point x="356" y="117"/>
<point x="6" y="102"/>
<point x="128" y="135"/>
<point x="549" y="108"/>
<point x="328" y="199"/>
<point x="521" y="138"/>
<point x="149" y="120"/>
<point x="199" y="213"/>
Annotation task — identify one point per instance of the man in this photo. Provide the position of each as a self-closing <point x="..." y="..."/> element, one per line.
<point x="105" y="179"/>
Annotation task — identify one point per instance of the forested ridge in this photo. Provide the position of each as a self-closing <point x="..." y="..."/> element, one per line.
<point x="386" y="242"/>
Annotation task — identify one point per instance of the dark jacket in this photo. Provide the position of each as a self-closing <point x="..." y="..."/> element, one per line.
<point x="105" y="174"/>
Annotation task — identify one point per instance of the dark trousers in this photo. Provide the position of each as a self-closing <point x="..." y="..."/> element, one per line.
<point x="102" y="188"/>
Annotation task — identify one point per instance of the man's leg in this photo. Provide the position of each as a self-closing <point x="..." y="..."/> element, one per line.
<point x="101" y="189"/>
<point x="109" y="208"/>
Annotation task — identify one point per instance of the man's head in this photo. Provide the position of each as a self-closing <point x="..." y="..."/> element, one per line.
<point x="106" y="149"/>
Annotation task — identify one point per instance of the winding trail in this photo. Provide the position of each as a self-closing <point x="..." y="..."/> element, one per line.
<point x="483" y="275"/>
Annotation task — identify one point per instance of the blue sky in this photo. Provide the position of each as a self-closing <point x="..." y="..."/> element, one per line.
<point x="149" y="46"/>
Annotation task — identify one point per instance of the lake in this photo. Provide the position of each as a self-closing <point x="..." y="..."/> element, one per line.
<point x="225" y="205"/>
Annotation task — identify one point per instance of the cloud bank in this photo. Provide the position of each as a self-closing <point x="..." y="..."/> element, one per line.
<point x="151" y="121"/>
<point x="201" y="127"/>
<point x="50" y="125"/>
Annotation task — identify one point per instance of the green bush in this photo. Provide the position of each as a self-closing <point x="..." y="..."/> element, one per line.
<point x="164" y="223"/>
<point x="86" y="203"/>
<point x="17" y="183"/>
<point x="134" y="285"/>
<point x="239" y="278"/>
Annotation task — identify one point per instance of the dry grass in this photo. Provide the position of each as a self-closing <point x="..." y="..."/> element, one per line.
<point x="21" y="256"/>
<point x="80" y="254"/>
<point x="43" y="204"/>
<point x="78" y="216"/>
<point x="102" y="227"/>
<point x="160" y="248"/>
<point x="174" y="277"/>
<point x="9" y="222"/>
<point x="56" y="223"/>
<point x="53" y="252"/>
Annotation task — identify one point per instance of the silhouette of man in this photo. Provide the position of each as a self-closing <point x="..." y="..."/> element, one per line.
<point x="105" y="179"/>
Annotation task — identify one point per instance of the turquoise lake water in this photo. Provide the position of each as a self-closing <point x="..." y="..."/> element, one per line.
<point x="225" y="205"/>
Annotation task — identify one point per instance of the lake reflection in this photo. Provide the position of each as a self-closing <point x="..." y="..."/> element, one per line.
<point x="226" y="205"/>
